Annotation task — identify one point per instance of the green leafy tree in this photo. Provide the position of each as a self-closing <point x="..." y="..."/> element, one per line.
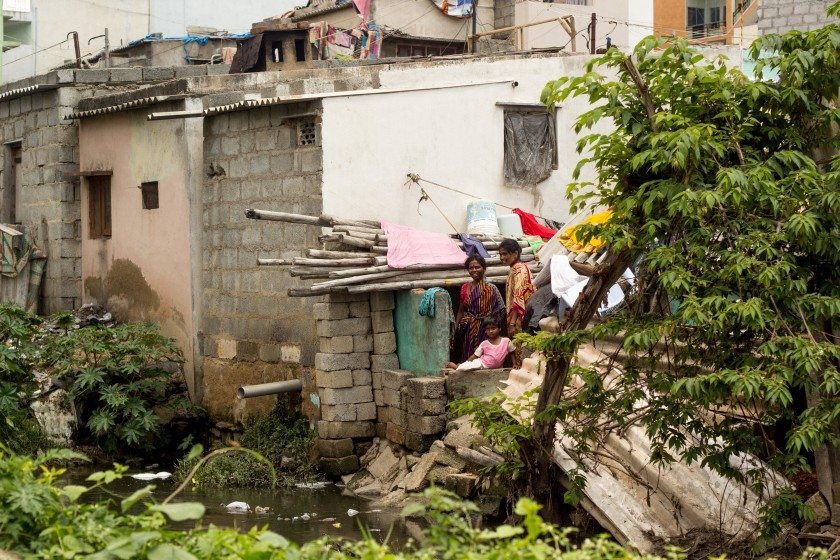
<point x="726" y="193"/>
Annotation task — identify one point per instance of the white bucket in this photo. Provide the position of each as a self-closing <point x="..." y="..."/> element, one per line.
<point x="481" y="218"/>
<point x="510" y="225"/>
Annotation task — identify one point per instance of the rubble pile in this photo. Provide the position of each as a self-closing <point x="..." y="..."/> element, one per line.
<point x="391" y="471"/>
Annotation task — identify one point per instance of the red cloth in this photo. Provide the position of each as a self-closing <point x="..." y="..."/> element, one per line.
<point x="530" y="225"/>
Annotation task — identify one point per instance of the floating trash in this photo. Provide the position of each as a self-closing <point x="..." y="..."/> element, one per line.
<point x="237" y="507"/>
<point x="313" y="485"/>
<point x="328" y="519"/>
<point x="306" y="517"/>
<point x="337" y="525"/>
<point x="352" y="512"/>
<point x="163" y="475"/>
<point x="261" y="510"/>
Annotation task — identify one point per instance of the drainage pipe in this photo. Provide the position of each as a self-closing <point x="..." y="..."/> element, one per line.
<point x="249" y="391"/>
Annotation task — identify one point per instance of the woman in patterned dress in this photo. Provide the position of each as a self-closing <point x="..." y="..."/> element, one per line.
<point x="518" y="290"/>
<point x="477" y="300"/>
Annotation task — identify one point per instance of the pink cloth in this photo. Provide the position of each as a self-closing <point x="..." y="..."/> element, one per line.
<point x="362" y="7"/>
<point x="493" y="356"/>
<point x="408" y="246"/>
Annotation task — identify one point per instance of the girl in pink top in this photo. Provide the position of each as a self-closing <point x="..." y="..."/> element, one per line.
<point x="491" y="353"/>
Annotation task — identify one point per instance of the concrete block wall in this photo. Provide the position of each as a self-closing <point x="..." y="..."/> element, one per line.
<point x="503" y="13"/>
<point x="780" y="16"/>
<point x="48" y="202"/>
<point x="411" y="409"/>
<point x="357" y="344"/>
<point x="251" y="330"/>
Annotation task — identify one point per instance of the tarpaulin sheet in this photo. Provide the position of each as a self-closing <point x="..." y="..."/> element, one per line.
<point x="247" y="55"/>
<point x="455" y="8"/>
<point x="529" y="147"/>
<point x="408" y="246"/>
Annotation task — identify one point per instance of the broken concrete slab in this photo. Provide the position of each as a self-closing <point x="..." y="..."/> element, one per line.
<point x="384" y="465"/>
<point x="461" y="433"/>
<point x="479" y="383"/>
<point x="417" y="479"/>
<point x="448" y="457"/>
<point x="820" y="507"/>
<point x="463" y="484"/>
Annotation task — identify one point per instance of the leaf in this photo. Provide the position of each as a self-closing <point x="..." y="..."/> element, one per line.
<point x="413" y="509"/>
<point x="274" y="540"/>
<point x="128" y="502"/>
<point x="167" y="551"/>
<point x="195" y="452"/>
<point x="181" y="511"/>
<point x="73" y="491"/>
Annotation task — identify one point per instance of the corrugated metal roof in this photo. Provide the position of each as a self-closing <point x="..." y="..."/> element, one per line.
<point x="28" y="90"/>
<point x="143" y="102"/>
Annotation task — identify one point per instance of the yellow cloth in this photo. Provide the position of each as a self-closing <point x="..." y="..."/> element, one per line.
<point x="570" y="240"/>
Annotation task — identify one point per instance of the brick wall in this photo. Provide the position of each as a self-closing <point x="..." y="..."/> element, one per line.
<point x="251" y="331"/>
<point x="503" y="13"/>
<point x="779" y="16"/>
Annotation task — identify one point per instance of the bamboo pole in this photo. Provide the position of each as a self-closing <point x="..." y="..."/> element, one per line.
<point x="322" y="254"/>
<point x="355" y="241"/>
<point x="255" y="214"/>
<point x="413" y="284"/>
<point x="363" y="229"/>
<point x="335" y="262"/>
<point x="273" y="262"/>
<point x="429" y="275"/>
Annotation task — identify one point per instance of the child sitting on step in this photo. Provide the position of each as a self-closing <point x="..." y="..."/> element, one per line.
<point x="492" y="352"/>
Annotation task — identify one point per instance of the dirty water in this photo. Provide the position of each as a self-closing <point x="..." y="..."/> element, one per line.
<point x="326" y="508"/>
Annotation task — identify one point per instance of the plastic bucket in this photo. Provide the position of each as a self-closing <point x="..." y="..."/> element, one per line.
<point x="481" y="217"/>
<point x="510" y="225"/>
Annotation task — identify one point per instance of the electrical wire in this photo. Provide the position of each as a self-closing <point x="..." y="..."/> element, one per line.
<point x="33" y="53"/>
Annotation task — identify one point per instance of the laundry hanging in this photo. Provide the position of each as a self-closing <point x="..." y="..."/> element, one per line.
<point x="530" y="225"/>
<point x="455" y="8"/>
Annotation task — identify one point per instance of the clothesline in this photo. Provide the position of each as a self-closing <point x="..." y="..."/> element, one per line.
<point x="415" y="178"/>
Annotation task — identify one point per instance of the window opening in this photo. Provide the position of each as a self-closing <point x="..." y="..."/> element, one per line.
<point x="300" y="50"/>
<point x="99" y="206"/>
<point x="306" y="132"/>
<point x="277" y="51"/>
<point x="150" y="195"/>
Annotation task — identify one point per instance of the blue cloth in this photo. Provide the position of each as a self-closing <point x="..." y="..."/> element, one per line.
<point x="473" y="246"/>
<point x="427" y="303"/>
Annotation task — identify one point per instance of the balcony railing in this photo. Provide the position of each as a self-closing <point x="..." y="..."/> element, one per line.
<point x="706" y="30"/>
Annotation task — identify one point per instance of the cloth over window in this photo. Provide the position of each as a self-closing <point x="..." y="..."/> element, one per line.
<point x="530" y="146"/>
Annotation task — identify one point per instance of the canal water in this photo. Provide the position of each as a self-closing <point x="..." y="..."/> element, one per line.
<point x="326" y="507"/>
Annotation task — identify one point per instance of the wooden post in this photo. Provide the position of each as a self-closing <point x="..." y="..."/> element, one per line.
<point x="592" y="36"/>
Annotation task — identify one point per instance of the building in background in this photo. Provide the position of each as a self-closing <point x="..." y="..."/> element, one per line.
<point x="36" y="30"/>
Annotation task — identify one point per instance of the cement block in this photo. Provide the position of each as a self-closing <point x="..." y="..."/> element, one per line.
<point x="189" y="71"/>
<point x="336" y="344"/>
<point x="377" y="397"/>
<point x="91" y="76"/>
<point x="382" y="321"/>
<point x="126" y="74"/>
<point x="398" y="416"/>
<point x="333" y="362"/>
<point x="381" y="301"/>
<point x="381" y="430"/>
<point x="395" y="433"/>
<point x="426" y="387"/>
<point x="419" y="442"/>
<point x="361" y="377"/>
<point x="360" y="309"/>
<point x="337" y="430"/>
<point x="158" y="74"/>
<point x="344" y="327"/>
<point x="338" y="412"/>
<point x="363" y="343"/>
<point x="290" y="353"/>
<point x="385" y="343"/>
<point x="390" y="397"/>
<point x="384" y="362"/>
<point x="334" y="379"/>
<point x="463" y="484"/>
<point x="339" y="466"/>
<point x="426" y="425"/>
<point x="366" y="411"/>
<point x="427" y="407"/>
<point x="335" y="447"/>
<point x="270" y="352"/>
<point x="350" y="395"/>
<point x="376" y="378"/>
<point x="394" y="379"/>
<point x="480" y="383"/>
<point x="226" y="349"/>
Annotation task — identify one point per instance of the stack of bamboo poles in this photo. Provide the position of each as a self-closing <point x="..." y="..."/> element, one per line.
<point x="356" y="261"/>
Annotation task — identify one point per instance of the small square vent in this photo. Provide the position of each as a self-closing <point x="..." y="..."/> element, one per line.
<point x="306" y="132"/>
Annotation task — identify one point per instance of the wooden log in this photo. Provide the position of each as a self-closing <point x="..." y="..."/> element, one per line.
<point x="255" y="214"/>
<point x="333" y="221"/>
<point x="312" y="271"/>
<point x="363" y="235"/>
<point x="415" y="276"/>
<point x="348" y="272"/>
<point x="323" y="254"/>
<point x="412" y="284"/>
<point x="476" y="457"/>
<point x="379" y="249"/>
<point x="362" y="261"/>
<point x="355" y="241"/>
<point x="363" y="229"/>
<point x="329" y="238"/>
<point x="273" y="262"/>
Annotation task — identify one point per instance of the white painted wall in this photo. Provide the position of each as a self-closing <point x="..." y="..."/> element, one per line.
<point x="126" y="20"/>
<point x="626" y="22"/>
<point x="171" y="17"/>
<point x="450" y="136"/>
